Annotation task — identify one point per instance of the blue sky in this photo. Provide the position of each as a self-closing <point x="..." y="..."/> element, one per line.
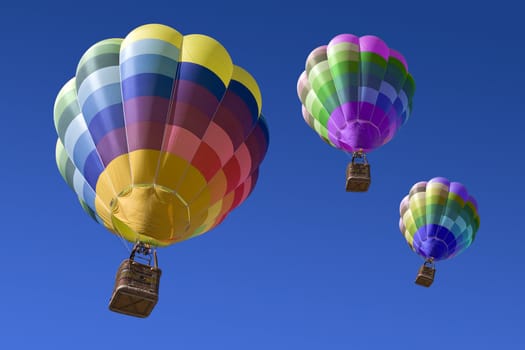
<point x="301" y="264"/>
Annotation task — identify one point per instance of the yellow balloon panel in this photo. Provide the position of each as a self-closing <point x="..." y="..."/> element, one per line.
<point x="154" y="31"/>
<point x="246" y="79"/>
<point x="143" y="166"/>
<point x="208" y="52"/>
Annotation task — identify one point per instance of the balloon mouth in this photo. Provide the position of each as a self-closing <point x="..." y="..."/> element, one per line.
<point x="359" y="135"/>
<point x="434" y="241"/>
<point x="352" y="131"/>
<point x="150" y="213"/>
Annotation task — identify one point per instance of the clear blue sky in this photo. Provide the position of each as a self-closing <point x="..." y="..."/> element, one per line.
<point x="301" y="264"/>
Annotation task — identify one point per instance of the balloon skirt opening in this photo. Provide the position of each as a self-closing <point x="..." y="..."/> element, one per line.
<point x="150" y="213"/>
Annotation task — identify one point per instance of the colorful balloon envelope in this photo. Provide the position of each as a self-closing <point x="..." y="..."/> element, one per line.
<point x="439" y="219"/>
<point x="160" y="135"/>
<point x="356" y="93"/>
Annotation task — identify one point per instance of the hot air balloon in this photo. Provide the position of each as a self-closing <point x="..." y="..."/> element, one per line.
<point x="160" y="136"/>
<point x="439" y="220"/>
<point x="356" y="93"/>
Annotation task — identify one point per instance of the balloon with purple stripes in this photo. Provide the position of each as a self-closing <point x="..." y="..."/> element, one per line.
<point x="439" y="219"/>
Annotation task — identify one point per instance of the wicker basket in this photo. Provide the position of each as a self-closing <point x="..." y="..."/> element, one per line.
<point x="357" y="177"/>
<point x="136" y="289"/>
<point x="425" y="275"/>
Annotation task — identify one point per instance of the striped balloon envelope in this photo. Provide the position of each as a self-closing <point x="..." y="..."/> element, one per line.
<point x="356" y="92"/>
<point x="160" y="135"/>
<point x="439" y="219"/>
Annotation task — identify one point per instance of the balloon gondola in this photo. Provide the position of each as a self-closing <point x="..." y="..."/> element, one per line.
<point x="439" y="219"/>
<point x="160" y="136"/>
<point x="358" y="173"/>
<point x="136" y="290"/>
<point x="356" y="93"/>
<point x="426" y="273"/>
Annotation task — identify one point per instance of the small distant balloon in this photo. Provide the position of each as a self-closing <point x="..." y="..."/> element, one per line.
<point x="439" y="219"/>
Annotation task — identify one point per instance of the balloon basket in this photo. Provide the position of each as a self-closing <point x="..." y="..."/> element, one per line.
<point x="358" y="174"/>
<point x="136" y="289"/>
<point x="426" y="273"/>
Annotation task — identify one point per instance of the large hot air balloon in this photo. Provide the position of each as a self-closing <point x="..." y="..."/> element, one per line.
<point x="161" y="136"/>
<point x="356" y="93"/>
<point x="439" y="220"/>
